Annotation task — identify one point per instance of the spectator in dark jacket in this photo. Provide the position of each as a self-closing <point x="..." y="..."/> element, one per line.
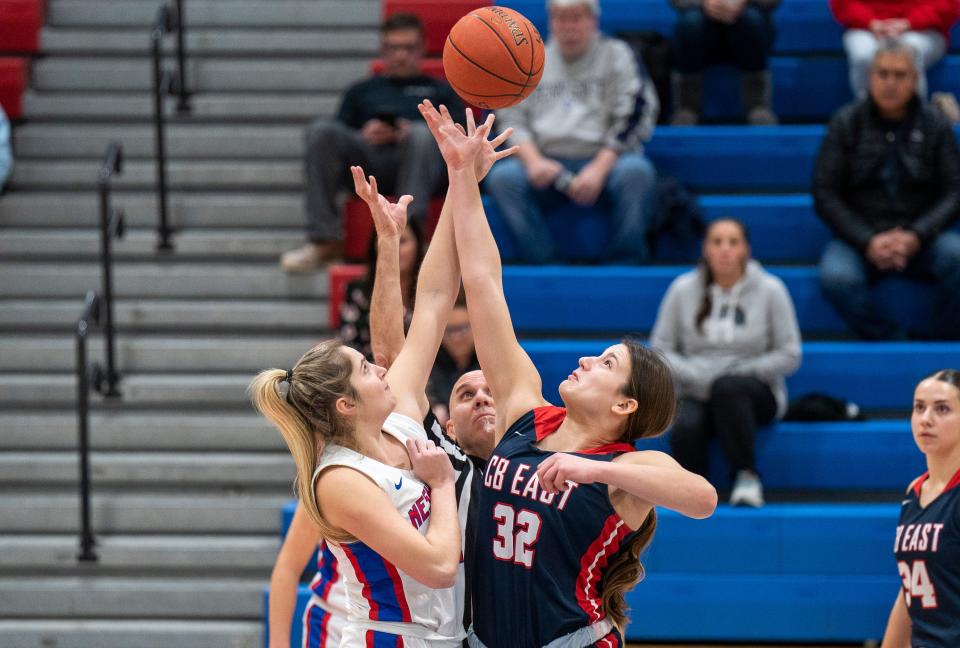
<point x="887" y="182"/>
<point x="924" y="25"/>
<point x="379" y="128"/>
<point x="716" y="31"/>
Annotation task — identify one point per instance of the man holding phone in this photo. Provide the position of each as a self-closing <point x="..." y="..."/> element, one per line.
<point x="379" y="128"/>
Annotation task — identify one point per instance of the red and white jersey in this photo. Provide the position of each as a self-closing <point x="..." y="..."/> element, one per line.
<point x="326" y="613"/>
<point x="381" y="599"/>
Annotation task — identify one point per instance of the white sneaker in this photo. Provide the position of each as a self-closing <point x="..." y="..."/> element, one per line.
<point x="747" y="490"/>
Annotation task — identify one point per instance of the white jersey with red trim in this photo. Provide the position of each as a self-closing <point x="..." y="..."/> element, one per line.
<point x="381" y="599"/>
<point x="326" y="612"/>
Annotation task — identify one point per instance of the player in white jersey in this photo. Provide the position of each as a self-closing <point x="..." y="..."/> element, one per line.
<point x="381" y="494"/>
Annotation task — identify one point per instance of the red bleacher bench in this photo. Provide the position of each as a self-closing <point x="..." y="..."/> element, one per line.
<point x="340" y="275"/>
<point x="20" y="23"/>
<point x="438" y="16"/>
<point x="13" y="81"/>
<point x="358" y="226"/>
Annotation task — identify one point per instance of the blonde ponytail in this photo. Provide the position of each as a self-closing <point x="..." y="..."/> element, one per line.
<point x="305" y="413"/>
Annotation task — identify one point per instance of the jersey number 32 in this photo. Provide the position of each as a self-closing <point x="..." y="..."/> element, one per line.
<point x="517" y="532"/>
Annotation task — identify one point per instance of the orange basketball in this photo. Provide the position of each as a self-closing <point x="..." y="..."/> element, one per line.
<point x="493" y="57"/>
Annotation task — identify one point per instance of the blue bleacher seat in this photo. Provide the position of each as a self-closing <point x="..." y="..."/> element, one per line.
<point x="807" y="87"/>
<point x="618" y="299"/>
<point x="874" y="375"/>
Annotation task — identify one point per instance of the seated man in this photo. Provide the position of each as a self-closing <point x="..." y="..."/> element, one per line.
<point x="924" y="25"/>
<point x="887" y="182"/>
<point x="718" y="31"/>
<point x="377" y="127"/>
<point x="580" y="135"/>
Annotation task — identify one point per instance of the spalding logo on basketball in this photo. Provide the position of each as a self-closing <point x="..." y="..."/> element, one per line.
<point x="493" y="57"/>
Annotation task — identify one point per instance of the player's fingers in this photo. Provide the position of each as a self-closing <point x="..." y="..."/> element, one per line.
<point x="506" y="152"/>
<point x="461" y="129"/>
<point x="502" y="137"/>
<point x="405" y="200"/>
<point x="471" y="122"/>
<point x="373" y="185"/>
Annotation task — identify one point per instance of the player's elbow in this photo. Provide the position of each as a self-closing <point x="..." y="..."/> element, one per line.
<point x="703" y="501"/>
<point x="440" y="575"/>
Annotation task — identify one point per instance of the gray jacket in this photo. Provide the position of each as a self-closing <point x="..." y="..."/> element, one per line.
<point x="751" y="331"/>
<point x="579" y="107"/>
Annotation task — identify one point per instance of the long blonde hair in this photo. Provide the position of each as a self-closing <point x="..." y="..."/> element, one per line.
<point x="307" y="415"/>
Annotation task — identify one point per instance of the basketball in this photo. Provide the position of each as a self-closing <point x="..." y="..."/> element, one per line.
<point x="493" y="57"/>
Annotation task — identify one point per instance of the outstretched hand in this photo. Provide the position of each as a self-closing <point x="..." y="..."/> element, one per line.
<point x="389" y="219"/>
<point x="463" y="149"/>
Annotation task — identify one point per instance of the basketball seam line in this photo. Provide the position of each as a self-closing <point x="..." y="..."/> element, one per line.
<point x="473" y="94"/>
<point x="505" y="44"/>
<point x="533" y="51"/>
<point x="493" y="74"/>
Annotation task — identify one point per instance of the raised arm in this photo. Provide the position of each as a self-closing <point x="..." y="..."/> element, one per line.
<point x="386" y="302"/>
<point x="298" y="546"/>
<point x="513" y="379"/>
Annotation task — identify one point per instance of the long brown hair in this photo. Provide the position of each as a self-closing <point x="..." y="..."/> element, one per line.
<point x="706" y="304"/>
<point x="651" y="384"/>
<point x="307" y="416"/>
<point x="949" y="376"/>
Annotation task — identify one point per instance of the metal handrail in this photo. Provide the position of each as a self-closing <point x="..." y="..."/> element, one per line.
<point x="166" y="82"/>
<point x="111" y="226"/>
<point x="85" y="375"/>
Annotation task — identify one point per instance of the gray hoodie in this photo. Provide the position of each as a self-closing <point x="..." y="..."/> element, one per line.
<point x="751" y="331"/>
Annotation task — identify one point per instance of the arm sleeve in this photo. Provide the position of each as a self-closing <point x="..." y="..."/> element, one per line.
<point x="852" y="14"/>
<point x="783" y="357"/>
<point x="933" y="14"/>
<point x="830" y="177"/>
<point x="947" y="209"/>
<point x="665" y="338"/>
<point x="350" y="112"/>
<point x="632" y="100"/>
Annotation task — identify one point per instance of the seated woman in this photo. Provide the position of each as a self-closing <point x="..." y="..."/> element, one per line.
<point x="567" y="504"/>
<point x="924" y="25"/>
<point x="729" y="331"/>
<point x="723" y="31"/>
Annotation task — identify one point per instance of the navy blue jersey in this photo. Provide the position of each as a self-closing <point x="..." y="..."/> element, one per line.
<point x="928" y="557"/>
<point x="540" y="557"/>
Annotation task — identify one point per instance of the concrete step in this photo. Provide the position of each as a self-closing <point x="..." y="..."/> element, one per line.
<point x="207" y="42"/>
<point x="256" y="245"/>
<point x="138" y="315"/>
<point x="219" y="13"/>
<point x="138" y="633"/>
<point x="185" y="512"/>
<point x="204" y="75"/>
<point x="207" y="210"/>
<point x="90" y="596"/>
<point x="175" y="391"/>
<point x="112" y="107"/>
<point x="154" y="353"/>
<point x="198" y="553"/>
<point x="203" y="141"/>
<point x="211" y="470"/>
<point x="162" y="430"/>
<point x="226" y="175"/>
<point x="152" y="280"/>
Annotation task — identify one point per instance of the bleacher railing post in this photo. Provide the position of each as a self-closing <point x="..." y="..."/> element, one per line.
<point x="90" y="316"/>
<point x="161" y="87"/>
<point x="183" y="102"/>
<point x="111" y="225"/>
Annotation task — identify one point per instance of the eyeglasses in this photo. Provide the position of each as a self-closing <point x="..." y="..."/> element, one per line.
<point x="402" y="47"/>
<point x="459" y="329"/>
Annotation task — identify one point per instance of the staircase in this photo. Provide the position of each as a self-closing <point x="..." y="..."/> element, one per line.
<point x="187" y="481"/>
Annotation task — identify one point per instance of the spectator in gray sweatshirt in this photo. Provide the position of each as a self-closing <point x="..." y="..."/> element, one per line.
<point x="729" y="331"/>
<point x="581" y="137"/>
